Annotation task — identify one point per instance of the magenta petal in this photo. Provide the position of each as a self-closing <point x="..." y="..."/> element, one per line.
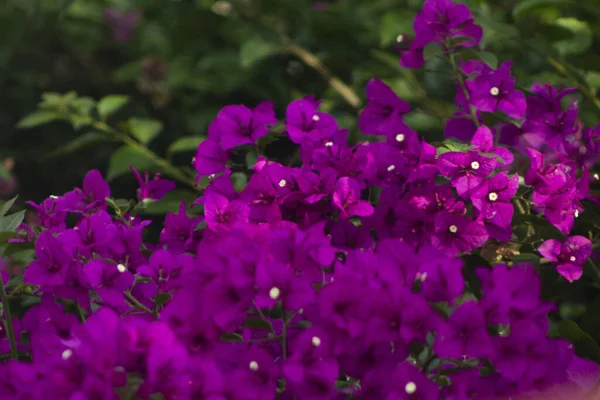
<point x="571" y="272"/>
<point x="514" y="105"/>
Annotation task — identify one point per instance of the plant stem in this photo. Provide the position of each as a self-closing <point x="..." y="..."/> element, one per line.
<point x="10" y="330"/>
<point x="461" y="82"/>
<point x="79" y="313"/>
<point x="168" y="168"/>
<point x="314" y="62"/>
<point x="284" y="336"/>
<point x="136" y="303"/>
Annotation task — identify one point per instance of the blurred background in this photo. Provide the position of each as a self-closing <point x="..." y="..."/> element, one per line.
<point x="180" y="61"/>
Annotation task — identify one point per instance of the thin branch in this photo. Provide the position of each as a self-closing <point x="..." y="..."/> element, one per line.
<point x="10" y="330"/>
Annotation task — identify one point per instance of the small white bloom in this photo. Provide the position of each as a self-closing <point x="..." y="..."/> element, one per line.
<point x="493" y="196"/>
<point x="596" y="177"/>
<point x="316" y="118"/>
<point x="410" y="388"/>
<point x="453" y="228"/>
<point x="576" y="213"/>
<point x="399" y="38"/>
<point x="253" y="365"/>
<point x="66" y="354"/>
<point x="53" y="197"/>
<point x="572" y="258"/>
<point x="274" y="293"/>
<point x="399" y="138"/>
<point x="329" y="144"/>
<point x="282" y="183"/>
<point x="316" y="341"/>
<point x="391" y="168"/>
<point x="494" y="91"/>
<point x="475" y="165"/>
<point x="121" y="268"/>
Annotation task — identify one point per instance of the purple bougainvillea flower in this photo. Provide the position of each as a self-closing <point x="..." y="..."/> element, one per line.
<point x="53" y="263"/>
<point x="467" y="171"/>
<point x="210" y="159"/>
<point x="441" y="277"/>
<point x="483" y="141"/>
<point x="455" y="234"/>
<point x="154" y="189"/>
<point x="305" y="123"/>
<point x="569" y="255"/>
<point x="439" y="21"/>
<point x="346" y="198"/>
<point x="109" y="281"/>
<point x="495" y="90"/>
<point x="239" y="125"/>
<point x="383" y="113"/>
<point x="465" y="334"/>
<point x="91" y="197"/>
<point x="492" y="201"/>
<point x="122" y="24"/>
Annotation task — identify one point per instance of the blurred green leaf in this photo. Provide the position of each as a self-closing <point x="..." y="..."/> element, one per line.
<point x="171" y="202"/>
<point x="10" y="223"/>
<point x="144" y="129"/>
<point x="584" y="345"/>
<point x="80" y="143"/>
<point x="38" y="118"/>
<point x="255" y="49"/>
<point x="240" y="180"/>
<point x="7" y="205"/>
<point x="525" y="8"/>
<point x="432" y="50"/>
<point x="186" y="143"/>
<point x="582" y="36"/>
<point x="126" y="156"/>
<point x="111" y="104"/>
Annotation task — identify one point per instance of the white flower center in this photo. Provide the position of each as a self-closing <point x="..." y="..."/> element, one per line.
<point x="53" y="197"/>
<point x="572" y="258"/>
<point x="410" y="388"/>
<point x="121" y="268"/>
<point x="494" y="91"/>
<point x="399" y="38"/>
<point x="576" y="213"/>
<point x="391" y="168"/>
<point x="274" y="293"/>
<point x="66" y="354"/>
<point x="316" y="118"/>
<point x="211" y="176"/>
<point x="582" y="150"/>
<point x="399" y="138"/>
<point x="493" y="196"/>
<point x="475" y="165"/>
<point x="453" y="228"/>
<point x="282" y="183"/>
<point x="596" y="177"/>
<point x="253" y="365"/>
<point x="316" y="341"/>
<point x="329" y="144"/>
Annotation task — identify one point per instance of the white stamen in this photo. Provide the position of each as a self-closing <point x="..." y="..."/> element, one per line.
<point x="399" y="138"/>
<point x="596" y="177"/>
<point x="422" y="276"/>
<point x="328" y="144"/>
<point x="582" y="150"/>
<point x="66" y="354"/>
<point x="211" y="176"/>
<point x="316" y="118"/>
<point x="410" y="388"/>
<point x="274" y="293"/>
<point x="391" y="168"/>
<point x="282" y="183"/>
<point x="121" y="268"/>
<point x="494" y="91"/>
<point x="301" y="311"/>
<point x="253" y="366"/>
<point x="576" y="213"/>
<point x="53" y="197"/>
<point x="399" y="38"/>
<point x="453" y="228"/>
<point x="572" y="258"/>
<point x="316" y="341"/>
<point x="475" y="165"/>
<point x="493" y="196"/>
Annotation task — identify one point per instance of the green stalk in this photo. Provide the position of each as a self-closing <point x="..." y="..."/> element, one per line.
<point x="8" y="322"/>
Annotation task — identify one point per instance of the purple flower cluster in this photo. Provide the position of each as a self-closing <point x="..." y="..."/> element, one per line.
<point x="305" y="284"/>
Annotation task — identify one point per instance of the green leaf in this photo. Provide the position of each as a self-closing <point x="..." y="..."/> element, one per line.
<point x="240" y="180"/>
<point x="528" y="7"/>
<point x="186" y="143"/>
<point x="38" y="118"/>
<point x="14" y="248"/>
<point x="126" y="156"/>
<point x="80" y="142"/>
<point x="144" y="129"/>
<point x="432" y="50"/>
<point x="5" y="236"/>
<point x="255" y="49"/>
<point x="11" y="222"/>
<point x="585" y="346"/>
<point x="171" y="202"/>
<point x="582" y="36"/>
<point x="489" y="58"/>
<point x="111" y="104"/>
<point x="7" y="205"/>
<point x="456" y="145"/>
